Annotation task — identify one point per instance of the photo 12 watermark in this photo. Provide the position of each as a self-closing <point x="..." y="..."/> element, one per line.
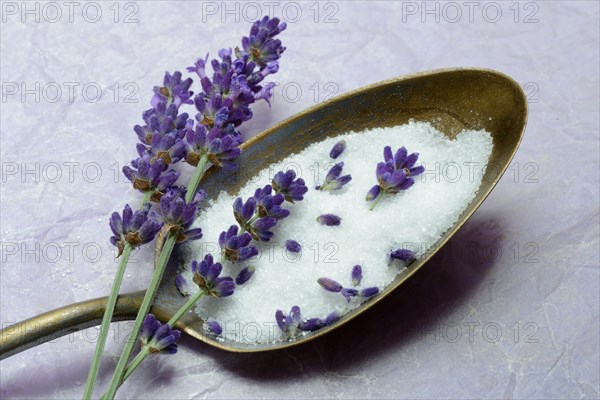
<point x="52" y="12"/>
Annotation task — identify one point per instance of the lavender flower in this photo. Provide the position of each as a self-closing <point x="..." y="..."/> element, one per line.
<point x="147" y="175"/>
<point x="179" y="216"/>
<point x="331" y="318"/>
<point x="244" y="275"/>
<point x="402" y="255"/>
<point x="157" y="337"/>
<point x="269" y="205"/>
<point x="244" y="211"/>
<point x="220" y="146"/>
<point x="260" y="229"/>
<point x="356" y="275"/>
<point x="206" y="276"/>
<point x="395" y="173"/>
<point x="311" y="325"/>
<point x="293" y="246"/>
<point x="213" y="327"/>
<point x="337" y="149"/>
<point x="260" y="45"/>
<point x="333" y="180"/>
<point x="236" y="247"/>
<point x="133" y="228"/>
<point x="329" y="220"/>
<point x="173" y="91"/>
<point x="291" y="188"/>
<point x="182" y="285"/>
<point x="289" y="324"/>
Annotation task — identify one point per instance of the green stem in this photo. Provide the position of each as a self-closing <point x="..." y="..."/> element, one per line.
<point x="108" y="314"/>
<point x="144" y="352"/>
<point x="376" y="201"/>
<point x="106" y="320"/>
<point x="144" y="309"/>
<point x="195" y="180"/>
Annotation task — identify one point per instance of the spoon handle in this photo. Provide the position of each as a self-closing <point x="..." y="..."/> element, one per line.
<point x="56" y="323"/>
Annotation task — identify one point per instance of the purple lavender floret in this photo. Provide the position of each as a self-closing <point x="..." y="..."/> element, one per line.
<point x="292" y="189"/>
<point x="395" y="173"/>
<point x="402" y="255"/>
<point x="331" y="318"/>
<point x="244" y="211"/>
<point x="182" y="285"/>
<point x="244" y="275"/>
<point x="269" y="205"/>
<point x="133" y="228"/>
<point x="293" y="246"/>
<point x="260" y="229"/>
<point x="330" y="285"/>
<point x="175" y="213"/>
<point x="214" y="327"/>
<point x="173" y="91"/>
<point x="157" y="337"/>
<point x="311" y="325"/>
<point x="289" y="323"/>
<point x="337" y="149"/>
<point x="369" y="292"/>
<point x="236" y="247"/>
<point x="333" y="180"/>
<point x="147" y="175"/>
<point x="206" y="276"/>
<point x="221" y="147"/>
<point x="329" y="220"/>
<point x="356" y="275"/>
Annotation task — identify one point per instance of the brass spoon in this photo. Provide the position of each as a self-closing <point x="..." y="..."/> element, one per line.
<point x="450" y="99"/>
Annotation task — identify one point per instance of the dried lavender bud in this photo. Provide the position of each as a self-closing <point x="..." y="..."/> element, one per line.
<point x="213" y="327"/>
<point x="369" y="292"/>
<point x="403" y="255"/>
<point x="331" y="318"/>
<point x="329" y="220"/>
<point x="330" y="285"/>
<point x="356" y="275"/>
<point x="182" y="285"/>
<point x="311" y="325"/>
<point x="244" y="275"/>
<point x="337" y="149"/>
<point x="333" y="180"/>
<point x="157" y="337"/>
<point x="133" y="228"/>
<point x="206" y="276"/>
<point x="293" y="246"/>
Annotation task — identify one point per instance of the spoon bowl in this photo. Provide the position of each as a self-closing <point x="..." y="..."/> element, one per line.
<point x="451" y="100"/>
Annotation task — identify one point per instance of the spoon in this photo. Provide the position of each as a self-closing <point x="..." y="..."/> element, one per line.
<point x="450" y="99"/>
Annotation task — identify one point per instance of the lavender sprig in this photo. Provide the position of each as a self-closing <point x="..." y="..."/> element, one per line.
<point x="394" y="174"/>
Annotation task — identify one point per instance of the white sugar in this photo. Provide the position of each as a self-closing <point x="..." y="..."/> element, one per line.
<point x="413" y="219"/>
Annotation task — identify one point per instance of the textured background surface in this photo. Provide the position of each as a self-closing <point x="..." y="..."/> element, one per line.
<point x="508" y="309"/>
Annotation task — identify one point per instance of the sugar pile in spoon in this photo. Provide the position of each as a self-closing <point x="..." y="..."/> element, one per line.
<point x="413" y="219"/>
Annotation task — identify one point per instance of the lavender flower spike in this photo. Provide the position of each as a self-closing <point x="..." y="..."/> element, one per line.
<point x="338" y="149"/>
<point x="179" y="215"/>
<point x="133" y="228"/>
<point x="157" y="337"/>
<point x="206" y="276"/>
<point x="333" y="180"/>
<point x="329" y="220"/>
<point x="292" y="189"/>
